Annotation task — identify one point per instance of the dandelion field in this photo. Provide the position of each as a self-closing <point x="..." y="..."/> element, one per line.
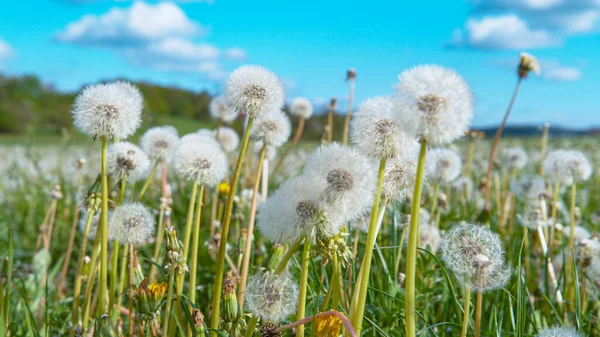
<point x="257" y="231"/>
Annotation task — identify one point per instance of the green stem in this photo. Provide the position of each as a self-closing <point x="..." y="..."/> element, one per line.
<point x="91" y="277"/>
<point x="131" y="316"/>
<point x="335" y="282"/>
<point x="434" y="201"/>
<point x="188" y="233"/>
<point x="570" y="266"/>
<point x="218" y="286"/>
<point x="148" y="180"/>
<point x="104" y="236"/>
<point x="158" y="244"/>
<point x="360" y="292"/>
<point x="113" y="276"/>
<point x="470" y="156"/>
<point x="166" y="319"/>
<point x="465" y="323"/>
<point x="122" y="274"/>
<point x="411" y="253"/>
<point x="78" y="276"/>
<point x="195" y="241"/>
<point x="288" y="256"/>
<point x="303" y="287"/>
<point x="251" y="326"/>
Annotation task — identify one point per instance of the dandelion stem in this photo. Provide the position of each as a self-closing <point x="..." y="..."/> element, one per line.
<point x="570" y="285"/>
<point x="148" y="180"/>
<point x="165" y="329"/>
<point x="330" y="121"/>
<point x="159" y="238"/>
<point x="486" y="207"/>
<point x="132" y="260"/>
<point x="78" y="275"/>
<point x="122" y="275"/>
<point x="218" y="286"/>
<point x="349" y="112"/>
<point x="543" y="149"/>
<point x="467" y="305"/>
<point x="470" y="154"/>
<point x="113" y="275"/>
<point x="360" y="292"/>
<point x="478" y="305"/>
<point x="195" y="243"/>
<point x="104" y="235"/>
<point x="411" y="252"/>
<point x="335" y="282"/>
<point x="434" y="198"/>
<point x="251" y="326"/>
<point x="288" y="256"/>
<point x="303" y="287"/>
<point x="250" y="230"/>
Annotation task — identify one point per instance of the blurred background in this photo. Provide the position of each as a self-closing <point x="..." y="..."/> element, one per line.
<point x="180" y="52"/>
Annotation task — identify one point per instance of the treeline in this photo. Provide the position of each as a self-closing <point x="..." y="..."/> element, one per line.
<point x="26" y="103"/>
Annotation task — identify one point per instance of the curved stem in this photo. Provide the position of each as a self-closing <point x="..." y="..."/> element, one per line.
<point x="288" y="256"/>
<point x="488" y="175"/>
<point x="250" y="230"/>
<point x="78" y="276"/>
<point x="303" y="287"/>
<point x="148" y="181"/>
<point x="218" y="285"/>
<point x="413" y="238"/>
<point x="360" y="292"/>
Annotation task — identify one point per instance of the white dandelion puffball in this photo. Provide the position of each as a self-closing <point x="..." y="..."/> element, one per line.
<point x="346" y="176"/>
<point x="291" y="212"/>
<point x="202" y="136"/>
<point x="557" y="331"/>
<point x="271" y="151"/>
<point x="430" y="237"/>
<point x="473" y="251"/>
<point x="228" y="138"/>
<point x="126" y="159"/>
<point x="442" y="165"/>
<point x="273" y="128"/>
<point x="567" y="166"/>
<point x="532" y="218"/>
<point x="254" y="90"/>
<point x="133" y="224"/>
<point x="158" y="142"/>
<point x="94" y="225"/>
<point x="219" y="109"/>
<point x="301" y="107"/>
<point x="203" y="162"/>
<point x="434" y="103"/>
<point x="110" y="111"/>
<point x="514" y="158"/>
<point x="271" y="297"/>
<point x="528" y="188"/>
<point x="376" y="132"/>
<point x="527" y="63"/>
<point x="399" y="177"/>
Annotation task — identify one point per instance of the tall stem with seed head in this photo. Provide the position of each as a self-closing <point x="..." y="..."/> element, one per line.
<point x="104" y="235"/>
<point x="360" y="292"/>
<point x="195" y="245"/>
<point x="465" y="322"/>
<point x="351" y="79"/>
<point x="330" y="120"/>
<point x="488" y="176"/>
<point x="78" y="275"/>
<point x="303" y="287"/>
<point x="411" y="252"/>
<point x="218" y="286"/>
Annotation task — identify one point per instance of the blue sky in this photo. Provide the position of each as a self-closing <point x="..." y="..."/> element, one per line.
<point x="310" y="44"/>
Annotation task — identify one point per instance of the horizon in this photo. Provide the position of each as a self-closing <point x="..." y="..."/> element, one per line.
<point x="194" y="44"/>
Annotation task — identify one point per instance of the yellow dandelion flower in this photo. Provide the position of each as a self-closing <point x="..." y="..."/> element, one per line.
<point x="223" y="188"/>
<point x="328" y="326"/>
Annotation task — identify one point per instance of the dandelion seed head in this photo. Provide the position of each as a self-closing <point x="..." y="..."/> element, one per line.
<point x="398" y="180"/>
<point x="126" y="159"/>
<point x="433" y="103"/>
<point x="514" y="158"/>
<point x="110" y="111"/>
<point x="270" y="296"/>
<point x="462" y="248"/>
<point x="273" y="128"/>
<point x="158" y="142"/>
<point x="557" y="331"/>
<point x="532" y="218"/>
<point x="528" y="188"/>
<point x="228" y="138"/>
<point x="301" y="107"/>
<point x="271" y="151"/>
<point x="254" y="90"/>
<point x="133" y="224"/>
<point x="442" y="165"/>
<point x="567" y="166"/>
<point x="528" y="63"/>
<point x="346" y="176"/>
<point x="200" y="159"/>
<point x="376" y="132"/>
<point x="220" y="110"/>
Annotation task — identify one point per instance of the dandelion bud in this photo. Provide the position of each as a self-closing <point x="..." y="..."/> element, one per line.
<point x="80" y="164"/>
<point x="276" y="257"/>
<point x="328" y="246"/>
<point x="433" y="103"/>
<point x="401" y="278"/>
<point x="231" y="310"/>
<point x="56" y="193"/>
<point x="138" y="273"/>
<point x="198" y="320"/>
<point x="254" y="90"/>
<point x="269" y="330"/>
<point x="103" y="327"/>
<point x="173" y="252"/>
<point x="86" y="266"/>
<point x="148" y="299"/>
<point x="109" y="111"/>
<point x="558" y="332"/>
<point x="528" y="63"/>
<point x="474" y="134"/>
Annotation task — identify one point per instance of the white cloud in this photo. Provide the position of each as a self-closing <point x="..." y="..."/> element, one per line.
<point x="236" y="53"/>
<point x="180" y="49"/>
<point x="125" y="26"/>
<point x="554" y="71"/>
<point x="503" y="32"/>
<point x="6" y="51"/>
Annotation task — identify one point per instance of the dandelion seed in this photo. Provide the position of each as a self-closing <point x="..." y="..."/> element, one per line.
<point x="301" y="107"/>
<point x="398" y="180"/>
<point x="228" y="138"/>
<point x="133" y="224"/>
<point x="110" y="111"/>
<point x="273" y="129"/>
<point x="528" y="188"/>
<point x="528" y="63"/>
<point x="254" y="90"/>
<point x="557" y="331"/>
<point x="514" y="158"/>
<point x="442" y="165"/>
<point x="220" y="110"/>
<point x="567" y="166"/>
<point x="158" y="142"/>
<point x="270" y="296"/>
<point x="126" y="159"/>
<point x="434" y="103"/>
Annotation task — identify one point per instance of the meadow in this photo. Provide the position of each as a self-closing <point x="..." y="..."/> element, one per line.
<point x="400" y="220"/>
